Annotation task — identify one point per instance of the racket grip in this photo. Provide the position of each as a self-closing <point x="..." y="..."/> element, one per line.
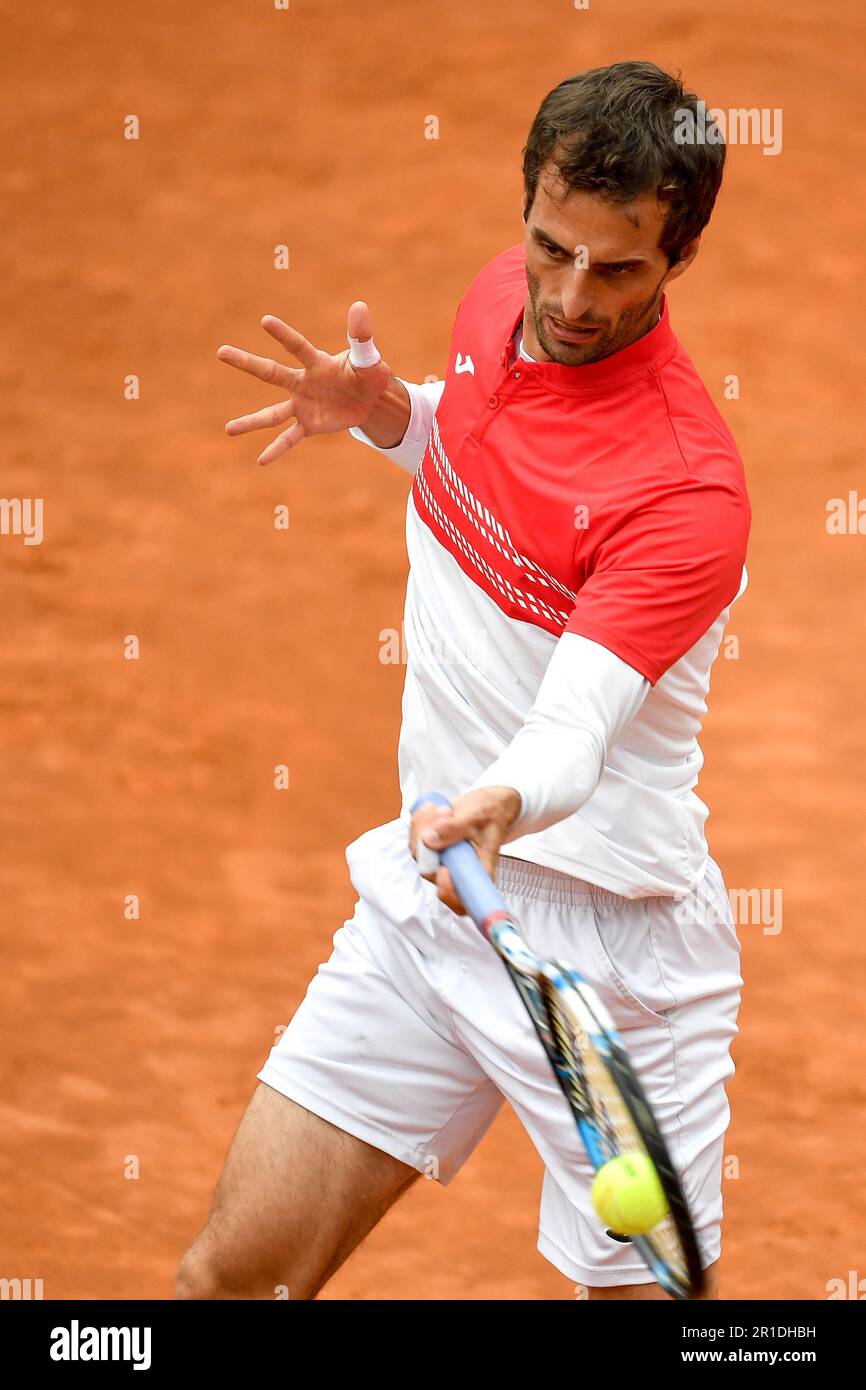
<point x="473" y="883"/>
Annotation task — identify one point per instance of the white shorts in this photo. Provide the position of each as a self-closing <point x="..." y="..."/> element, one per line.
<point x="411" y="1034"/>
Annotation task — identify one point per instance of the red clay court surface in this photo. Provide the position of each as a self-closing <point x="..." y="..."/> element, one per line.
<point x="155" y="777"/>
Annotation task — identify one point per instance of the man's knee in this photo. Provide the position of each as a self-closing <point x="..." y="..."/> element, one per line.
<point x="200" y="1276"/>
<point x="207" y="1271"/>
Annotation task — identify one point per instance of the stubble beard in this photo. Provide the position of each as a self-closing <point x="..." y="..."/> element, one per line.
<point x="632" y="324"/>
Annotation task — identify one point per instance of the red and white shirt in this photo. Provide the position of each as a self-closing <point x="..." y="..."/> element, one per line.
<point x="597" y="514"/>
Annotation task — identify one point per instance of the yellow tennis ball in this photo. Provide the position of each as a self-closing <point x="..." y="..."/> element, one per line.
<point x="627" y="1195"/>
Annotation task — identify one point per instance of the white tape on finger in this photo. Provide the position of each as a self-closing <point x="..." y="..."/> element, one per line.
<point x="363" y="354"/>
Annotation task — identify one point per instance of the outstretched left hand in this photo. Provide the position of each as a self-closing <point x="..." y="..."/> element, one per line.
<point x="484" y="817"/>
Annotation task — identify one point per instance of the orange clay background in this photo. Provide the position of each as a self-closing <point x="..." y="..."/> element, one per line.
<point x="155" y="776"/>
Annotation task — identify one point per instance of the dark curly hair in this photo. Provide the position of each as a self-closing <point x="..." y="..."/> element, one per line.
<point x="611" y="131"/>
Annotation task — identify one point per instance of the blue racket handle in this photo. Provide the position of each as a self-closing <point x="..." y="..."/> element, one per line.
<point x="472" y="881"/>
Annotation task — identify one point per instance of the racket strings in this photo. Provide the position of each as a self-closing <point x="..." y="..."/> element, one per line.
<point x="604" y="1101"/>
<point x="595" y="1085"/>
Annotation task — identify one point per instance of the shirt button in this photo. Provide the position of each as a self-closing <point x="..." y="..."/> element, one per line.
<point x="493" y="402"/>
<point x="516" y="375"/>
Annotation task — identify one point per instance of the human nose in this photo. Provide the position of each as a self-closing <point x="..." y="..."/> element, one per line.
<point x="575" y="295"/>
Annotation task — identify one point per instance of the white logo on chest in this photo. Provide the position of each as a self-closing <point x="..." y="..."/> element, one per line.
<point x="464" y="364"/>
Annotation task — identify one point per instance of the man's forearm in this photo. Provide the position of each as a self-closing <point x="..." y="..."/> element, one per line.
<point x="405" y="414"/>
<point x="587" y="697"/>
<point x="389" y="420"/>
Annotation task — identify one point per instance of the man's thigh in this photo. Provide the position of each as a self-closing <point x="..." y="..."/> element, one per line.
<point x="296" y="1197"/>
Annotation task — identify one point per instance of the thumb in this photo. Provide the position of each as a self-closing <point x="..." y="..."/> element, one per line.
<point x="360" y="324"/>
<point x="447" y="829"/>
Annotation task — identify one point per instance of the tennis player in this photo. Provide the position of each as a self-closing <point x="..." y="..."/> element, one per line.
<point x="576" y="528"/>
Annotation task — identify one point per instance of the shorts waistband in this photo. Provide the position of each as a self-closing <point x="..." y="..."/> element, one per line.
<point x="527" y="880"/>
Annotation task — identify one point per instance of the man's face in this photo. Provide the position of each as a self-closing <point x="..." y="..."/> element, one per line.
<point x="594" y="273"/>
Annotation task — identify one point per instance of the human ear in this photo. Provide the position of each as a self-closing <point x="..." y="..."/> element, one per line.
<point x="689" y="251"/>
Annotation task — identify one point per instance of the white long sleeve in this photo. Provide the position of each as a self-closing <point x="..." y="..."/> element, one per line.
<point x="424" y="398"/>
<point x="585" y="700"/>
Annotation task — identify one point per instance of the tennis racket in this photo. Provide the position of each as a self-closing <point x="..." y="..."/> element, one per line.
<point x="589" y="1061"/>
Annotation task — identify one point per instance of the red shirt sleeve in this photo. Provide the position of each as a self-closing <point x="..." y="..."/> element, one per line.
<point x="660" y="578"/>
